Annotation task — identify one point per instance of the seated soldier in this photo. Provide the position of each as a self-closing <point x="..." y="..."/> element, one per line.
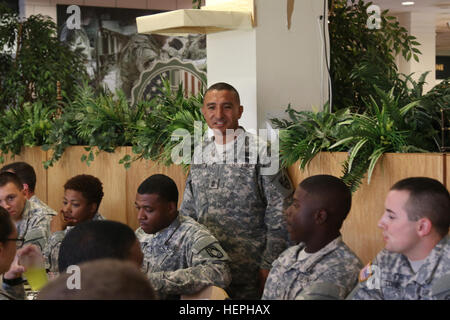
<point x="32" y="221"/>
<point x="320" y="266"/>
<point x="415" y="263"/>
<point x="180" y="255"/>
<point x="101" y="239"/>
<point x="12" y="286"/>
<point x="27" y="175"/>
<point x="82" y="196"/>
<point x="104" y="279"/>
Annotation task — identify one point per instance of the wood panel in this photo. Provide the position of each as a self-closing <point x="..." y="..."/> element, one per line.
<point x="35" y="157"/>
<point x="105" y="167"/>
<point x="141" y="170"/>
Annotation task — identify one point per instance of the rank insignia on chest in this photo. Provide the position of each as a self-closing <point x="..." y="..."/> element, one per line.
<point x="214" y="184"/>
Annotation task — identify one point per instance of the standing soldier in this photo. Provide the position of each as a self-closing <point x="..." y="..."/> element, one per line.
<point x="239" y="202"/>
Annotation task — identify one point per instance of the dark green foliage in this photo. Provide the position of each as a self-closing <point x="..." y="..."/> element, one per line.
<point x="33" y="61"/>
<point x="169" y="112"/>
<point x="361" y="57"/>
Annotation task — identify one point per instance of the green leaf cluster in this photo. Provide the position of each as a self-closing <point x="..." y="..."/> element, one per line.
<point x="363" y="57"/>
<point x="385" y="126"/>
<point x="33" y="60"/>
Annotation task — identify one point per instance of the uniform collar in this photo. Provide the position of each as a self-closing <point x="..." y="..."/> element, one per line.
<point x="311" y="261"/>
<point x="425" y="273"/>
<point x="165" y="234"/>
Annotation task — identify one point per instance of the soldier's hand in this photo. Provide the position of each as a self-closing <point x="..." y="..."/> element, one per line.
<point x="59" y="223"/>
<point x="263" y="274"/>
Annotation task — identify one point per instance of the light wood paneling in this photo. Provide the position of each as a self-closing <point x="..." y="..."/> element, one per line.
<point x="141" y="170"/>
<point x="105" y="167"/>
<point x="34" y="156"/>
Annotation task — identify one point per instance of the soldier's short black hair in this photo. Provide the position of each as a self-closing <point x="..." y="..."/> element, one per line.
<point x="219" y="86"/>
<point x="9" y="177"/>
<point x="24" y="171"/>
<point x="90" y="187"/>
<point x="6" y="225"/>
<point x="334" y="195"/>
<point x="161" y="185"/>
<point x="92" y="240"/>
<point x="427" y="198"/>
<point x="103" y="279"/>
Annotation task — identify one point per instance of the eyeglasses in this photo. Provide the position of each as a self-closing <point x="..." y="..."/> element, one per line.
<point x="19" y="242"/>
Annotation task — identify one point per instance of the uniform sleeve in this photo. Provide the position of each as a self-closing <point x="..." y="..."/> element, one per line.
<point x="16" y="291"/>
<point x="187" y="207"/>
<point x="323" y="291"/>
<point x="277" y="190"/>
<point x="368" y="287"/>
<point x="51" y="251"/>
<point x="37" y="235"/>
<point x="207" y="266"/>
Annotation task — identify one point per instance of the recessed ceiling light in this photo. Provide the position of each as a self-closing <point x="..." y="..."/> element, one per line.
<point x="408" y="3"/>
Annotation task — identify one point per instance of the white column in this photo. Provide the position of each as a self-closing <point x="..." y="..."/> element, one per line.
<point x="270" y="65"/>
<point x="423" y="27"/>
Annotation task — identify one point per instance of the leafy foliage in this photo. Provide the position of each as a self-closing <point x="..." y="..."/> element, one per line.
<point x="385" y="126"/>
<point x="363" y="57"/>
<point x="169" y="112"/>
<point x="33" y="60"/>
<point x="24" y="127"/>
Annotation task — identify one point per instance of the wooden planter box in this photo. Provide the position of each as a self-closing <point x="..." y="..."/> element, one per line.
<point x="360" y="229"/>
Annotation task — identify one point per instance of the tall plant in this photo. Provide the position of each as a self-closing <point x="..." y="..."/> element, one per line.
<point x="363" y="57"/>
<point x="33" y="60"/>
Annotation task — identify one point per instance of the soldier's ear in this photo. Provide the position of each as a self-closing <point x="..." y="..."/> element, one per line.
<point x="321" y="216"/>
<point x="424" y="227"/>
<point x="172" y="207"/>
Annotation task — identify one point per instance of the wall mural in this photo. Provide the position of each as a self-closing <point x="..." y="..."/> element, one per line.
<point x="117" y="57"/>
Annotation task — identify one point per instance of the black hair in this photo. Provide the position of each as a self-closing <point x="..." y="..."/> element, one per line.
<point x="90" y="187"/>
<point x="9" y="177"/>
<point x="24" y="171"/>
<point x="6" y="225"/>
<point x="94" y="240"/>
<point x="332" y="193"/>
<point x="161" y="185"/>
<point x="427" y="198"/>
<point x="219" y="86"/>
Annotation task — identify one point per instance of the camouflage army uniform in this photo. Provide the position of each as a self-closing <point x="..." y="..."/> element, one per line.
<point x="34" y="226"/>
<point x="330" y="273"/>
<point x="243" y="209"/>
<point x="15" y="292"/>
<point x="38" y="201"/>
<point x="397" y="280"/>
<point x="183" y="258"/>
<point x="51" y="251"/>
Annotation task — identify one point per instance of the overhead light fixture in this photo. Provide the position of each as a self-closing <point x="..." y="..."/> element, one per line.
<point x="408" y="3"/>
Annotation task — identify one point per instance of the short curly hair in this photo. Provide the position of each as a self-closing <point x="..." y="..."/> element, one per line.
<point x="90" y="187"/>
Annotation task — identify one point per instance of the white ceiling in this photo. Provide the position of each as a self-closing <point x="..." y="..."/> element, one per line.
<point x="440" y="7"/>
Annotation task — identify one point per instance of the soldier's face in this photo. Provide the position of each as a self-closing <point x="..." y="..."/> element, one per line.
<point x="300" y="216"/>
<point x="221" y="110"/>
<point x="154" y="213"/>
<point x="13" y="200"/>
<point x="399" y="233"/>
<point x="76" y="208"/>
